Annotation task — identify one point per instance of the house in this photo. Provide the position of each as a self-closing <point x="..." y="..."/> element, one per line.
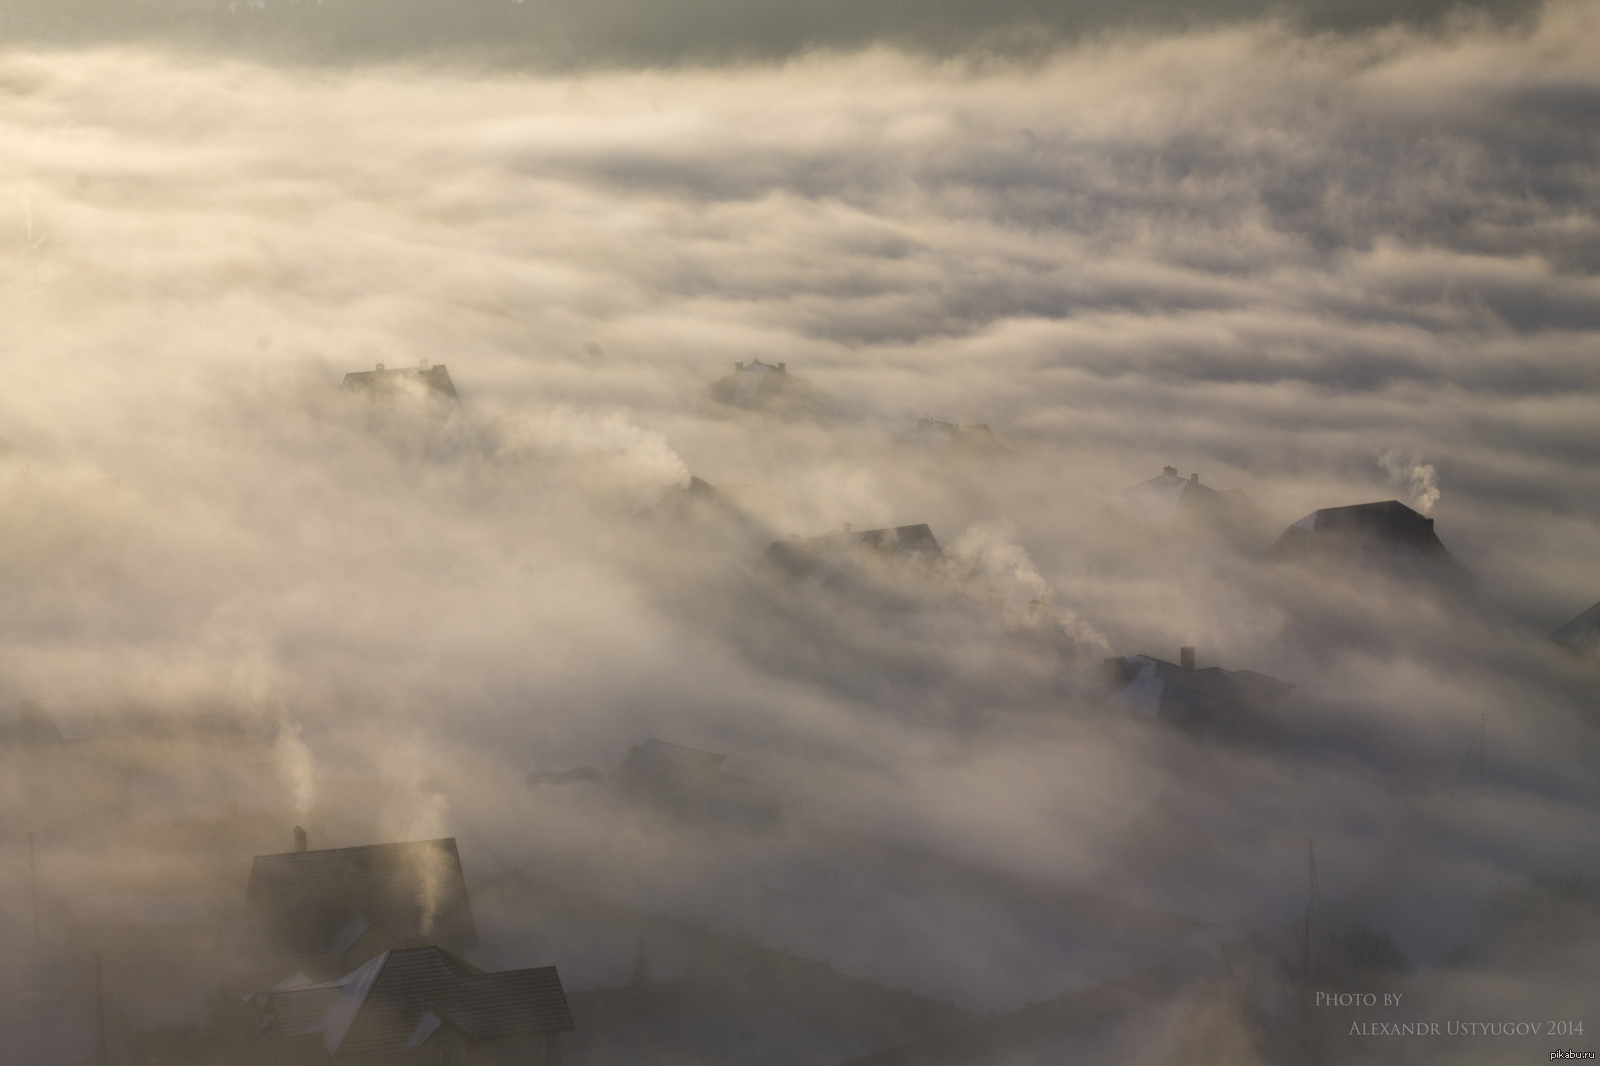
<point x="421" y="380"/>
<point x="1170" y="501"/>
<point x="951" y="443"/>
<point x="682" y="780"/>
<point x="1581" y="636"/>
<point x="1387" y="536"/>
<point x="418" y="1007"/>
<point x="702" y="513"/>
<point x="331" y="910"/>
<point x="824" y="559"/>
<point x="1178" y="693"/>
<point x="769" y="388"/>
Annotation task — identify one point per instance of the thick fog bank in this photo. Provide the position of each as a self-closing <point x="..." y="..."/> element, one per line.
<point x="1320" y="269"/>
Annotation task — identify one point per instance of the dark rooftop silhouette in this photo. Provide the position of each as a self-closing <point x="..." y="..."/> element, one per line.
<point x="1387" y="532"/>
<point x="1582" y="634"/>
<point x="315" y="901"/>
<point x="400" y="1000"/>
<point x="823" y="557"/>
<point x="1178" y="692"/>
<point x="383" y="382"/>
<point x="768" y="387"/>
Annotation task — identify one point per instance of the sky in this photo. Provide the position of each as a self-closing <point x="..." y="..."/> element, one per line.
<point x="1321" y="255"/>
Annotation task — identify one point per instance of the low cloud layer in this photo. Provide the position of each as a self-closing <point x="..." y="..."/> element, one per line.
<point x="1321" y="269"/>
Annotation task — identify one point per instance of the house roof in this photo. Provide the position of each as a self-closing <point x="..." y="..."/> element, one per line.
<point x="399" y="999"/>
<point x="1162" y="690"/>
<point x="310" y="898"/>
<point x="1168" y="498"/>
<point x="434" y="380"/>
<point x="662" y="771"/>
<point x="951" y="442"/>
<point x="823" y="557"/>
<point x="1375" y="532"/>
<point x="768" y="386"/>
<point x="1582" y="634"/>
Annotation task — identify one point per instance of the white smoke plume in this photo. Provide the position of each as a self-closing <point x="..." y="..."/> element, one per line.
<point x="295" y="767"/>
<point x="1410" y="474"/>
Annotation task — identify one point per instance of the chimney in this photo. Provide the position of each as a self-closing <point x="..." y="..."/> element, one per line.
<point x="1186" y="658"/>
<point x="299" y="839"/>
<point x="738" y="366"/>
<point x="380" y="366"/>
<point x="1169" y="471"/>
<point x="783" y="368"/>
<point x="1195" y="478"/>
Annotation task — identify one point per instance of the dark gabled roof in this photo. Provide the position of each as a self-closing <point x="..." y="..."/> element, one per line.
<point x="383" y="381"/>
<point x="301" y="1011"/>
<point x="656" y="770"/>
<point x="412" y="890"/>
<point x="769" y="387"/>
<point x="824" y="556"/>
<point x="1169" y="498"/>
<point x="1167" y="691"/>
<point x="1582" y="634"/>
<point x="380" y="1010"/>
<point x="950" y="442"/>
<point x="1386" y="531"/>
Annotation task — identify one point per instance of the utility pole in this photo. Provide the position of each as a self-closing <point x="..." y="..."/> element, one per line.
<point x="100" y="1058"/>
<point x="33" y="877"/>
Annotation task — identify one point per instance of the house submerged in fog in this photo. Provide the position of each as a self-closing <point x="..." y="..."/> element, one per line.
<point x="418" y="1007"/>
<point x="382" y="383"/>
<point x="1180" y="694"/>
<point x="1388" y="537"/>
<point x="954" y="444"/>
<point x="1581" y="636"/>
<point x="329" y="911"/>
<point x="768" y="388"/>
<point x="687" y="781"/>
<point x="1172" y="503"/>
<point x="836" y="557"/>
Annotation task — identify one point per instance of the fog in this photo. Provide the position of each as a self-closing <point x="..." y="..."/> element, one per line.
<point x="1321" y="258"/>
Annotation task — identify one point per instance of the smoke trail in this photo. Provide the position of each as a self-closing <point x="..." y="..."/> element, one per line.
<point x="1410" y="473"/>
<point x="294" y="766"/>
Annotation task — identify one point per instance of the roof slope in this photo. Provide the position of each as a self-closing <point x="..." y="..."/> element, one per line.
<point x="1166" y="691"/>
<point x="823" y="557"/>
<point x="767" y="387"/>
<point x="415" y="889"/>
<point x="1582" y="634"/>
<point x="666" y="772"/>
<point x="1170" y="500"/>
<point x="382" y="382"/>
<point x="385" y="1005"/>
<point x="1384" y="531"/>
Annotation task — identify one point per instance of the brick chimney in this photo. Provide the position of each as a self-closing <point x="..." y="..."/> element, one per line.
<point x="299" y="839"/>
<point x="1186" y="658"/>
<point x="1169" y="471"/>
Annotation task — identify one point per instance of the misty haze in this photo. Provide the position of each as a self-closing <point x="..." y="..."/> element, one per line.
<point x="721" y="532"/>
